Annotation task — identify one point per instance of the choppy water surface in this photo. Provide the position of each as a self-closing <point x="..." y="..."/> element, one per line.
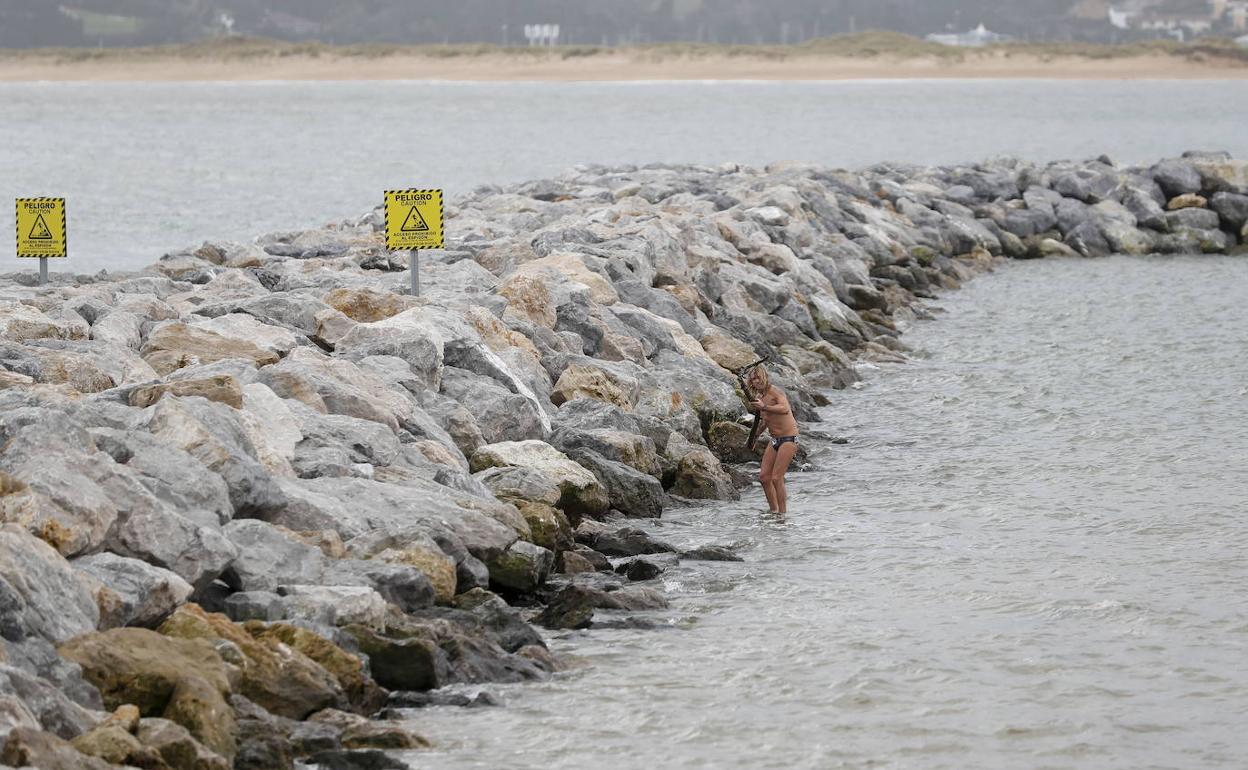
<point x="149" y="167"/>
<point x="1031" y="555"/>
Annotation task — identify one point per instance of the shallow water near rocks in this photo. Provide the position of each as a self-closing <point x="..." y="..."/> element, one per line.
<point x="1031" y="554"/>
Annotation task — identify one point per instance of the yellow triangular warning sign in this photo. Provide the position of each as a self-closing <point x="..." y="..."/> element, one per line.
<point x="415" y="223"/>
<point x="40" y="231"/>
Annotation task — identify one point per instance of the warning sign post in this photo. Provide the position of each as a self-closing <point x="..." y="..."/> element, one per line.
<point x="41" y="231"/>
<point x="414" y="220"/>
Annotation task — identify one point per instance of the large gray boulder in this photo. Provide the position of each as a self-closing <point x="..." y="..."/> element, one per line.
<point x="1232" y="208"/>
<point x="148" y="594"/>
<point x="580" y="493"/>
<point x="1177" y="177"/>
<point x="354" y="507"/>
<point x="630" y="491"/>
<point x="215" y="435"/>
<point x="172" y="475"/>
<point x="412" y="336"/>
<point x="40" y="593"/>
<point x="500" y="414"/>
<point x="271" y="561"/>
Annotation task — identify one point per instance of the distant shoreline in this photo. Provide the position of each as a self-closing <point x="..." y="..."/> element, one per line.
<point x="860" y="57"/>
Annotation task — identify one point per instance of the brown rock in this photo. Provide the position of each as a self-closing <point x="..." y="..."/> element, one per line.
<point x="438" y="567"/>
<point x="360" y="733"/>
<point x="126" y="717"/>
<point x="578" y="381"/>
<point x="727" y="351"/>
<point x="282" y="680"/>
<point x="575" y="563"/>
<point x="141" y="667"/>
<point x="13" y="380"/>
<point x="178" y="747"/>
<point x="1187" y="201"/>
<point x="530" y="298"/>
<point x="368" y="305"/>
<point x="551" y="529"/>
<point x="113" y="744"/>
<point x="727" y="441"/>
<point x="176" y="345"/>
<point x="222" y="388"/>
<point x="183" y="680"/>
<point x="33" y="748"/>
<point x="205" y="714"/>
<point x="365" y="695"/>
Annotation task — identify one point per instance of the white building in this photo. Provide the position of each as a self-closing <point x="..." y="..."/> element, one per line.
<point x="1242" y="41"/>
<point x="976" y="38"/>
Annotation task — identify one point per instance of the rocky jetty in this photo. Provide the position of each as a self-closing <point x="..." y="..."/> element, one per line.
<point x="257" y="501"/>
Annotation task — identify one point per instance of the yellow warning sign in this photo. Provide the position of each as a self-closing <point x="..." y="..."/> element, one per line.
<point x="414" y="220"/>
<point x="41" y="227"/>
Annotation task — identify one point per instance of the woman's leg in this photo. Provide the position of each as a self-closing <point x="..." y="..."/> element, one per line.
<point x="779" y="467"/>
<point x="765" y="477"/>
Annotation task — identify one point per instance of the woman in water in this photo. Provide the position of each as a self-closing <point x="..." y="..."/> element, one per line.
<point x="773" y="409"/>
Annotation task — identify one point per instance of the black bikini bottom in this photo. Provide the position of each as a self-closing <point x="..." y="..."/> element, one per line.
<point x="776" y="443"/>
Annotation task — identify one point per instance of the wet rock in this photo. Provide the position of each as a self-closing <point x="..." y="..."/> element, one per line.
<point x="639" y="569"/>
<point x="357" y="732"/>
<point x="698" y="474"/>
<point x="523" y="567"/>
<point x="574" y="563"/>
<point x="573" y="607"/>
<point x="416" y="700"/>
<point x="728" y="441"/>
<point x="711" y="553"/>
<point x="629" y="491"/>
<point x="629" y="542"/>
<point x="550" y="528"/>
<point x="357" y="760"/>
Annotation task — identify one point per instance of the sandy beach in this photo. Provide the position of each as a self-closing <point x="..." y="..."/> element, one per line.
<point x="110" y="66"/>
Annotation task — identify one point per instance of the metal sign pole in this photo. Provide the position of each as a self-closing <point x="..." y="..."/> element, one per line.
<point x="415" y="264"/>
<point x="43" y="271"/>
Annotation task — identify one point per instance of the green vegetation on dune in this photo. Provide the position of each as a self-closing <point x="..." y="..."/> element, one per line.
<point x="865" y="45"/>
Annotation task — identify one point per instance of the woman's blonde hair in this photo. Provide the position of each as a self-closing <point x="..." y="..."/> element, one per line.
<point x="759" y="380"/>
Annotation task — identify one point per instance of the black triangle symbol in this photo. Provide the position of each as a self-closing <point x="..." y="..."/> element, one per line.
<point x="40" y="231"/>
<point x="414" y="223"/>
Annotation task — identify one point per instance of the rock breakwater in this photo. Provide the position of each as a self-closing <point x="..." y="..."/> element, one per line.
<point x="257" y="503"/>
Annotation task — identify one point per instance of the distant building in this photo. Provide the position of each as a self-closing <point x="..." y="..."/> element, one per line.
<point x="1243" y="41"/>
<point x="976" y="38"/>
<point x="1237" y="15"/>
<point x="1180" y="19"/>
